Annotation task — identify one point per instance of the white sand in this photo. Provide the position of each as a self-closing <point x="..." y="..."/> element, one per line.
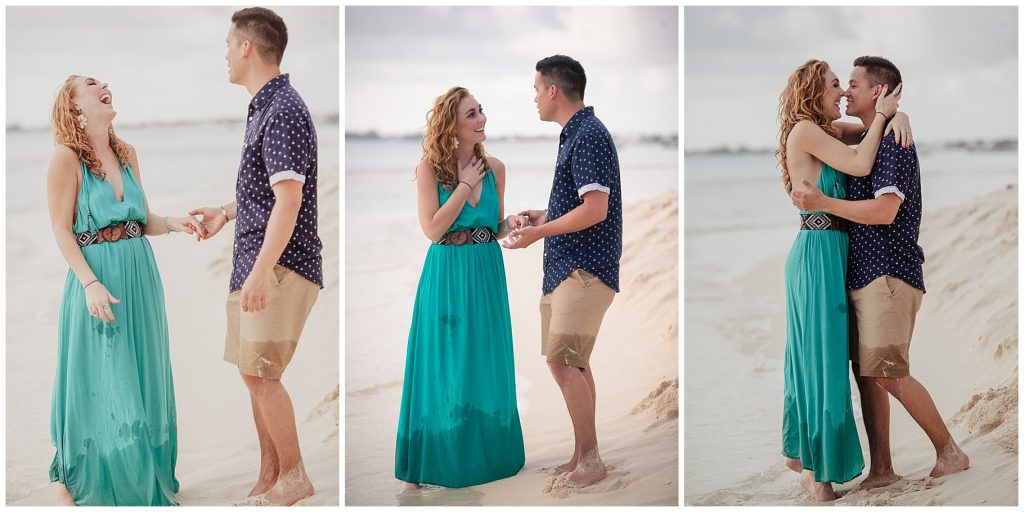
<point x="636" y="371"/>
<point x="218" y="454"/>
<point x="964" y="352"/>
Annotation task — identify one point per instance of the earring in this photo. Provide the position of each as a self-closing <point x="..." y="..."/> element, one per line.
<point x="455" y="142"/>
<point x="82" y="121"/>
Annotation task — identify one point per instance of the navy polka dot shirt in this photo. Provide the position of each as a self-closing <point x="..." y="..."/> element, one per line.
<point x="891" y="250"/>
<point x="587" y="160"/>
<point x="280" y="144"/>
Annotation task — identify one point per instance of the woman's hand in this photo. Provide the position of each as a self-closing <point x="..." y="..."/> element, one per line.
<point x="213" y="220"/>
<point x="888" y="104"/>
<point x="473" y="171"/>
<point x="98" y="300"/>
<point x="901" y="125"/>
<point x="189" y="225"/>
<point x="535" y="217"/>
<point x="517" y="221"/>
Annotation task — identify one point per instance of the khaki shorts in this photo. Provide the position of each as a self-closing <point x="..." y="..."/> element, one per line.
<point x="261" y="343"/>
<point x="570" y="317"/>
<point x="882" y="316"/>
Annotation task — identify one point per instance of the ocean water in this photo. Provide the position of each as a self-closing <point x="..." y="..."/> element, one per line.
<point x="739" y="225"/>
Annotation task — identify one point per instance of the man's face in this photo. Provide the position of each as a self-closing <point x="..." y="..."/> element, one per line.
<point x="542" y="98"/>
<point x="234" y="56"/>
<point x="860" y="96"/>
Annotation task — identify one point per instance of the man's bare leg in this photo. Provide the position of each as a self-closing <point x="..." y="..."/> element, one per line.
<point x="64" y="497"/>
<point x="275" y="407"/>
<point x="916" y="400"/>
<point x="578" y="399"/>
<point x="269" y="468"/>
<point x="571" y="465"/>
<point x="874" y="403"/>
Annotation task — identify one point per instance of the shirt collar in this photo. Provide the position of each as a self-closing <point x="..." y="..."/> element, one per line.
<point x="267" y="91"/>
<point x="574" y="122"/>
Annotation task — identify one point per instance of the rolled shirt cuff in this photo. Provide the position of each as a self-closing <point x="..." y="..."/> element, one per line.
<point x="286" y="175"/>
<point x="890" y="190"/>
<point x="591" y="187"/>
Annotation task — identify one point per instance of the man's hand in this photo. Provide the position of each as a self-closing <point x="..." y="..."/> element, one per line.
<point x="811" y="200"/>
<point x="254" y="291"/>
<point x="521" y="238"/>
<point x="213" y="220"/>
<point x="537" y="217"/>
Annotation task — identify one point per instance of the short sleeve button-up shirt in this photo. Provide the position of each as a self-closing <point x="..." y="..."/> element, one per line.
<point x="587" y="161"/>
<point x="879" y="250"/>
<point x="280" y="144"/>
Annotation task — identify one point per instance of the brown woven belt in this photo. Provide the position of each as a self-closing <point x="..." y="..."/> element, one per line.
<point x="468" y="236"/>
<point x="111" y="233"/>
<point x="821" y="221"/>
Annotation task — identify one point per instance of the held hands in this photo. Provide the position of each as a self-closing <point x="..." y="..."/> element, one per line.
<point x="887" y="104"/>
<point x="189" y="225"/>
<point x="901" y="125"/>
<point x="517" y="221"/>
<point x="473" y="171"/>
<point x="523" y="236"/>
<point x="809" y="200"/>
<point x="213" y="220"/>
<point x="98" y="300"/>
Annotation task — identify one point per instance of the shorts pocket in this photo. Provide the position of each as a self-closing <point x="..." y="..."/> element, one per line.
<point x="586" y="277"/>
<point x="891" y="284"/>
<point x="280" y="273"/>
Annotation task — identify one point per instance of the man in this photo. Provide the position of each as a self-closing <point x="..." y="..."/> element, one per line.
<point x="885" y="281"/>
<point x="582" y="231"/>
<point x="277" y="268"/>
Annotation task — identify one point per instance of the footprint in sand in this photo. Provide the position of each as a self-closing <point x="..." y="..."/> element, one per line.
<point x="561" y="487"/>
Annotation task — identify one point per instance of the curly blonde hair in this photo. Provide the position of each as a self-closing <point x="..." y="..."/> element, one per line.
<point x="67" y="132"/>
<point x="439" y="139"/>
<point x="800" y="100"/>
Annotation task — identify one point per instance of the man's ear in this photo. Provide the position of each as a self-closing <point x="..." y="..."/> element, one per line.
<point x="876" y="92"/>
<point x="552" y="91"/>
<point x="246" y="47"/>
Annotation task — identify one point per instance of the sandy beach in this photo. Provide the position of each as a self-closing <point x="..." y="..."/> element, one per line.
<point x="218" y="453"/>
<point x="635" y="364"/>
<point x="964" y="351"/>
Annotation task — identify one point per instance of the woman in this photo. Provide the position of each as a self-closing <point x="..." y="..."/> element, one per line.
<point x="459" y="424"/>
<point x="112" y="417"/>
<point x="819" y="435"/>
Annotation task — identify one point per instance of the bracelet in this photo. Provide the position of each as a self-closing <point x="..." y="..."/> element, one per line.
<point x="225" y="212"/>
<point x="467" y="184"/>
<point x="168" y="226"/>
<point x="94" y="281"/>
<point x="882" y="114"/>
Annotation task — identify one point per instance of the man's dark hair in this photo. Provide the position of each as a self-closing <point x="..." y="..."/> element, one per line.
<point x="566" y="73"/>
<point x="880" y="71"/>
<point x="265" y="29"/>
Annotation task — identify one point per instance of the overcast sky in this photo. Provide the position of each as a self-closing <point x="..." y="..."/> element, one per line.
<point x="161" y="63"/>
<point x="959" y="66"/>
<point x="398" y="59"/>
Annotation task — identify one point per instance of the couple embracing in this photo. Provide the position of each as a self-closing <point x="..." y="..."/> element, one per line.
<point x="459" y="422"/>
<point x="113" y="417"/>
<point x="854" y="280"/>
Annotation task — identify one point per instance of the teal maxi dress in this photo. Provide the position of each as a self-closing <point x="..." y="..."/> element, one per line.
<point x="459" y="423"/>
<point x="818" y="425"/>
<point x="112" y="418"/>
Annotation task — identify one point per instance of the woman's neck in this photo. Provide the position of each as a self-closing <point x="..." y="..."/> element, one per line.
<point x="99" y="136"/>
<point x="464" y="153"/>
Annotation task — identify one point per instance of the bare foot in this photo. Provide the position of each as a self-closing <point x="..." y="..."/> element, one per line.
<point x="568" y="466"/>
<point x="794" y="464"/>
<point x="820" y="491"/>
<point x="64" y="497"/>
<point x="406" y="486"/>
<point x="951" y="460"/>
<point x="292" y="486"/>
<point x="262" y="486"/>
<point x="880" y="480"/>
<point x="589" y="470"/>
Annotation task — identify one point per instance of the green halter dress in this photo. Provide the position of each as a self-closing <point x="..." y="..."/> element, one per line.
<point x="112" y="418"/>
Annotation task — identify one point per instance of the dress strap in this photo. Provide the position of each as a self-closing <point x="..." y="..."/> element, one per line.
<point x="84" y="205"/>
